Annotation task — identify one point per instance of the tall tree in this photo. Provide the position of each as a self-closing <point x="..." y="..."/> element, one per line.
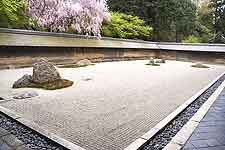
<point x="218" y="13"/>
<point x="185" y="17"/>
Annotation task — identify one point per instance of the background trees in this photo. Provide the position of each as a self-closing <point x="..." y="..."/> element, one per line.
<point x="171" y="19"/>
<point x="218" y="14"/>
<point x="177" y="20"/>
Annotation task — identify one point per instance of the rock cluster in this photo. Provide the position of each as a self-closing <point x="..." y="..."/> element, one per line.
<point x="199" y="65"/>
<point x="156" y="62"/>
<point x="44" y="76"/>
<point x="83" y="63"/>
<point x="159" y="61"/>
<point x="151" y="61"/>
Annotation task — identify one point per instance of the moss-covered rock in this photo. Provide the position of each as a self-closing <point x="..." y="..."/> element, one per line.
<point x="73" y="66"/>
<point x="153" y="64"/>
<point x="68" y="66"/>
<point x="83" y="63"/>
<point x="57" y="84"/>
<point x="199" y="65"/>
<point x="53" y="85"/>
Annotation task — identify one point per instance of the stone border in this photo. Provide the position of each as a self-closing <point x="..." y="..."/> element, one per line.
<point x="138" y="143"/>
<point x="179" y="140"/>
<point x="204" y="47"/>
<point x="183" y="135"/>
<point x="35" y="127"/>
<point x="61" y="34"/>
<point x="58" y="34"/>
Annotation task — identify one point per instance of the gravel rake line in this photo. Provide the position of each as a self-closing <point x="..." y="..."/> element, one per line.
<point x="161" y="139"/>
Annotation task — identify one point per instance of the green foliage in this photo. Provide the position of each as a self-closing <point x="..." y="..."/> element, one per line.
<point x="126" y="26"/>
<point x="209" y="24"/>
<point x="171" y="19"/>
<point x="204" y="23"/>
<point x="203" y="33"/>
<point x="12" y="13"/>
<point x="218" y="14"/>
<point x="191" y="39"/>
<point x="185" y="16"/>
<point x="205" y="16"/>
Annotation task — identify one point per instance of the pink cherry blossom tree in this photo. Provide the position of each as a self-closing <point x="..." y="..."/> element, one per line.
<point x="83" y="16"/>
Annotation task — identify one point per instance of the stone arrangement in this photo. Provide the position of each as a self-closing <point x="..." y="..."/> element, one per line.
<point x="159" y="61"/>
<point x="155" y="62"/>
<point x="45" y="76"/>
<point x="199" y="65"/>
<point x="81" y="63"/>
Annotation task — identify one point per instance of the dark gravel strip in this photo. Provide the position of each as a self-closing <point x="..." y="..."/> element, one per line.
<point x="160" y="140"/>
<point x="31" y="139"/>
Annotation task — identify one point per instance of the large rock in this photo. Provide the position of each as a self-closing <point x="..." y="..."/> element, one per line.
<point x="43" y="71"/>
<point x="84" y="62"/>
<point x="25" y="81"/>
<point x="44" y="76"/>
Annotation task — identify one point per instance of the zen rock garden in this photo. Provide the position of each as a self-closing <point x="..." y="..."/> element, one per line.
<point x="45" y="76"/>
<point x="97" y="108"/>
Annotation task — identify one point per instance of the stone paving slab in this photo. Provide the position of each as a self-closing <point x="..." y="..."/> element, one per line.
<point x="210" y="133"/>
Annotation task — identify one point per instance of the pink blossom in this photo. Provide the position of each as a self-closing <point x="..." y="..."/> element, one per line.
<point x="83" y="16"/>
